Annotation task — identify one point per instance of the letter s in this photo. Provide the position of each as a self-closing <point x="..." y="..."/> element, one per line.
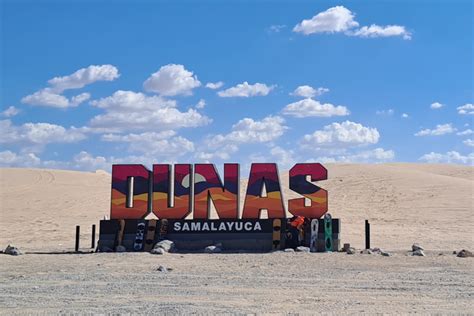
<point x="318" y="196"/>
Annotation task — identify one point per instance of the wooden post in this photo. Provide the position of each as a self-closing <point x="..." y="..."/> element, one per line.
<point x="78" y="231"/>
<point x="93" y="237"/>
<point x="367" y="234"/>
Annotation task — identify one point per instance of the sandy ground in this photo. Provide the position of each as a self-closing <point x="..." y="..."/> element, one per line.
<point x="278" y="283"/>
<point x="405" y="203"/>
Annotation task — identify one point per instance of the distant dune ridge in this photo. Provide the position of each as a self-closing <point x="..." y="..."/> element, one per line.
<point x="405" y="203"/>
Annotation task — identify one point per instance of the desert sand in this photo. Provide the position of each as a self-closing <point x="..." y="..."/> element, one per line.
<point x="405" y="203"/>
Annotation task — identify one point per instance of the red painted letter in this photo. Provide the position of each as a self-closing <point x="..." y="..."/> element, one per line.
<point x="208" y="185"/>
<point x="130" y="192"/>
<point x="260" y="174"/>
<point x="318" y="196"/>
<point x="161" y="191"/>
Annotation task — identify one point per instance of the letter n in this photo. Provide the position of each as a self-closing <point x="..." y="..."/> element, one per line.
<point x="130" y="192"/>
<point x="208" y="185"/>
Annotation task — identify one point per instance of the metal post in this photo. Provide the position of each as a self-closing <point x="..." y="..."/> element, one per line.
<point x="367" y="234"/>
<point x="78" y="231"/>
<point x="93" y="237"/>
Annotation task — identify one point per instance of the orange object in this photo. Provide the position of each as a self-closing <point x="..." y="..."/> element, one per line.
<point x="297" y="222"/>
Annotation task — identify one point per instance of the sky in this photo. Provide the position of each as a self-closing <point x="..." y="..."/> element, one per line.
<point x="86" y="84"/>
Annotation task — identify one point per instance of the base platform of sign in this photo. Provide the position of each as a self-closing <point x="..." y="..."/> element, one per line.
<point x="235" y="235"/>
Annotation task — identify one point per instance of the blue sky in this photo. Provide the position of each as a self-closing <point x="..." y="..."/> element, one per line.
<point x="86" y="84"/>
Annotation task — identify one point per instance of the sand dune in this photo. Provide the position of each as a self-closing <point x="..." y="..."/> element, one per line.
<point x="430" y="204"/>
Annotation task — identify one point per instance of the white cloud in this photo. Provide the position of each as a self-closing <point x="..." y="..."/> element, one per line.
<point x="83" y="77"/>
<point x="436" y="105"/>
<point x="245" y="131"/>
<point x="377" y="154"/>
<point x="341" y="20"/>
<point x="214" y="85"/>
<point x="466" y="132"/>
<point x="128" y="110"/>
<point x="46" y="97"/>
<point x="335" y="19"/>
<point x="201" y="104"/>
<point x="10" y="111"/>
<point x="284" y="158"/>
<point x="276" y="28"/>
<point x="246" y="90"/>
<point x="381" y="31"/>
<point x="85" y="161"/>
<point x="38" y="133"/>
<point x="52" y="95"/>
<point x="162" y="144"/>
<point x="11" y="159"/>
<point x="310" y="107"/>
<point x="171" y="80"/>
<point x="308" y="91"/>
<point x="388" y="112"/>
<point x="248" y="130"/>
<point x="341" y="135"/>
<point x="404" y="115"/>
<point x="466" y="109"/>
<point x="441" y="129"/>
<point x="469" y="142"/>
<point x="449" y="157"/>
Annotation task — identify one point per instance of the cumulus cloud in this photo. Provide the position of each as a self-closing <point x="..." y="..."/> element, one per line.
<point x="341" y="135"/>
<point x="52" y="96"/>
<point x="381" y="31"/>
<point x="10" y="111"/>
<point x="38" y="133"/>
<point x="309" y="107"/>
<point x="341" y="20"/>
<point x="466" y="109"/>
<point x="441" y="129"/>
<point x="86" y="161"/>
<point x="245" y="131"/>
<point x="214" y="85"/>
<point x="333" y="20"/>
<point x="374" y="155"/>
<point x="201" y="104"/>
<point x="465" y="132"/>
<point x="284" y="157"/>
<point x="246" y="90"/>
<point x="162" y="144"/>
<point x="436" y="105"/>
<point x="469" y="142"/>
<point x="449" y="157"/>
<point x="308" y="91"/>
<point x="404" y="115"/>
<point x="171" y="80"/>
<point x="83" y="77"/>
<point x="11" y="159"/>
<point x="128" y="110"/>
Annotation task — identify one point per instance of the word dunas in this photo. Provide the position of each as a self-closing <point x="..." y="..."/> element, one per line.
<point x="137" y="191"/>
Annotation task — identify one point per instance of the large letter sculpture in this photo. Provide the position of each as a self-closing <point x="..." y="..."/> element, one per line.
<point x="130" y="187"/>
<point x="318" y="196"/>
<point x="208" y="185"/>
<point x="162" y="197"/>
<point x="263" y="174"/>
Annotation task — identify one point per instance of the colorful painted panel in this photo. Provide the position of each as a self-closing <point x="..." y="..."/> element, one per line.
<point x="263" y="174"/>
<point x="208" y="185"/>
<point x="161" y="191"/>
<point x="130" y="192"/>
<point x="318" y="196"/>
